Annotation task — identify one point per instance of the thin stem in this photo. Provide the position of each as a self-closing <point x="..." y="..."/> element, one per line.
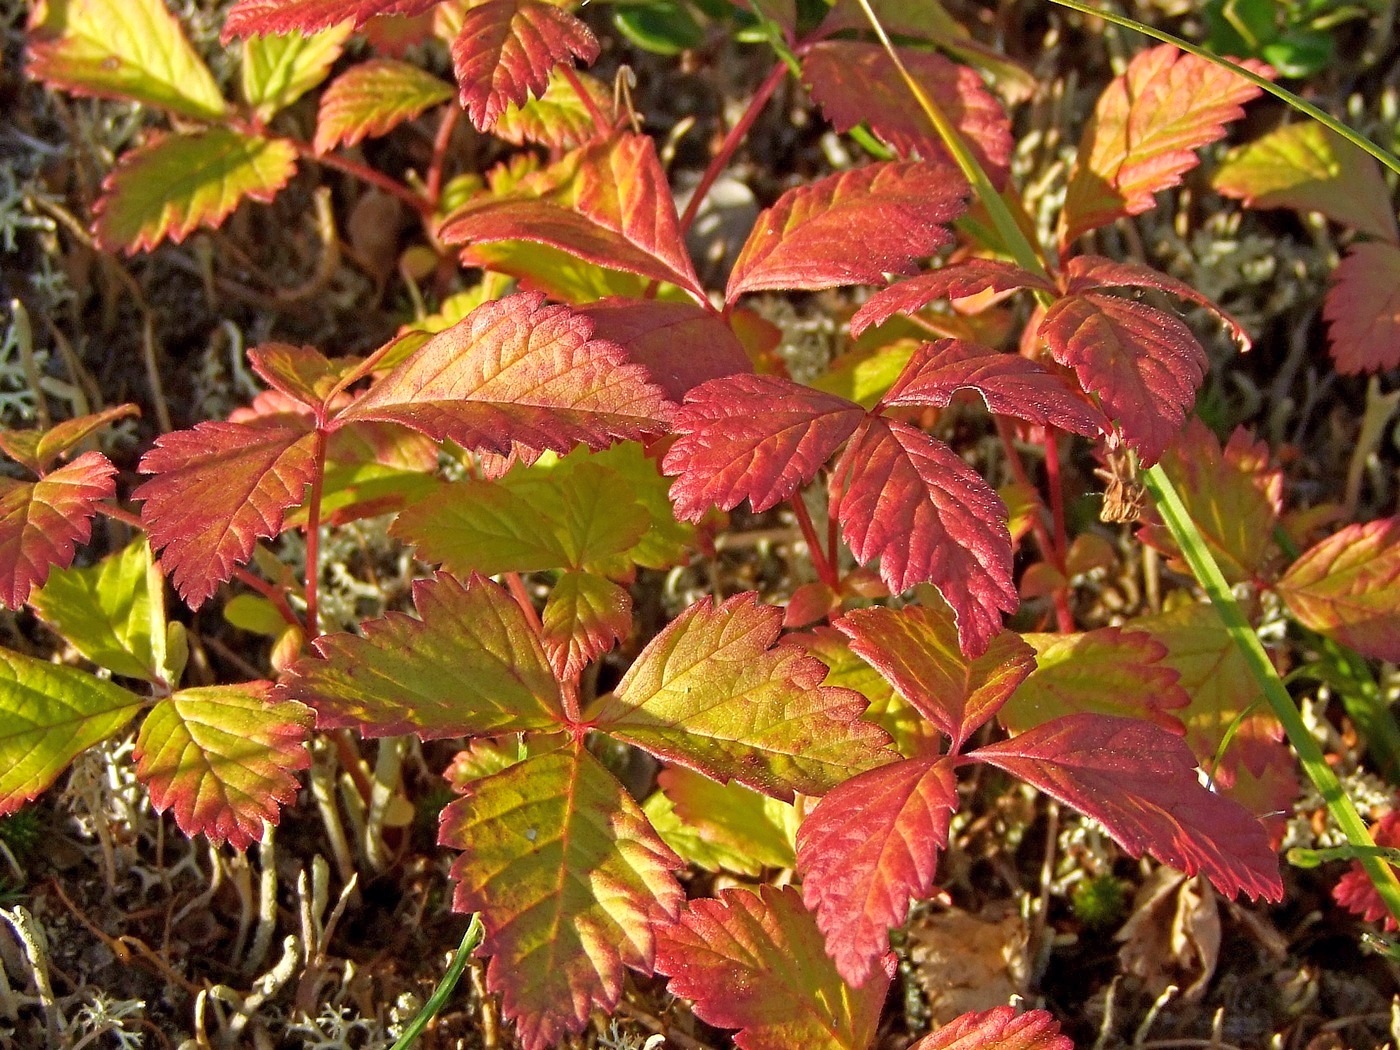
<point x="1360" y="141"/>
<point x="365" y="173"/>
<point x="1064" y="615"/>
<point x="272" y="593"/>
<point x="825" y="571"/>
<point x="600" y="122"/>
<point x="731" y="142"/>
<point x="1055" y="484"/>
<point x="313" y="536"/>
<point x="1203" y="565"/>
<point x="451" y="114"/>
<point x="445" y="987"/>
<point x="122" y="515"/>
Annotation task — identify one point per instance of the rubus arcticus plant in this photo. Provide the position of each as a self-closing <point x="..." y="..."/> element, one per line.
<point x="583" y="406"/>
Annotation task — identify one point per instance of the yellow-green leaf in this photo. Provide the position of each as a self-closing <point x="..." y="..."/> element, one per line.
<point x="723" y="826"/>
<point x="105" y="611"/>
<point x="178" y="183"/>
<point x="131" y="49"/>
<point x="49" y="714"/>
<point x="278" y="70"/>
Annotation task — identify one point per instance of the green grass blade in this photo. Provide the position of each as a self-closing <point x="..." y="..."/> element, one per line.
<point x="445" y="987"/>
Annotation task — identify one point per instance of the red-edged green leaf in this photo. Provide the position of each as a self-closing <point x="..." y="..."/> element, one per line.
<point x="756" y="962"/>
<point x="569" y="879"/>
<point x="372" y="99"/>
<point x="679" y="344"/>
<point x="177" y="183"/>
<point x="718" y="693"/>
<point x="1145" y="131"/>
<point x="854" y="227"/>
<point x="1000" y="1028"/>
<point x="1009" y="385"/>
<point x="755" y="438"/>
<point x="1356" y="892"/>
<point x="1232" y="494"/>
<point x="1144" y="364"/>
<point x="1086" y="272"/>
<point x="559" y="119"/>
<point x="223" y="759"/>
<point x="930" y="518"/>
<point x="916" y="650"/>
<point x="470" y="665"/>
<point x="856" y="82"/>
<point x="1106" y="671"/>
<point x="41" y="522"/>
<point x="610" y="206"/>
<point x="506" y="50"/>
<point x="216" y="491"/>
<point x="1363" y="309"/>
<point x="49" y="714"/>
<point x="722" y="826"/>
<point x="1309" y="167"/>
<point x="1348" y="588"/>
<point x="1139" y="781"/>
<point x="956" y="281"/>
<point x="1212" y="672"/>
<point x="579" y="517"/>
<point x="259" y="17"/>
<point x="583" y="618"/>
<point x="105" y="611"/>
<point x="37" y="449"/>
<point x="127" y="49"/>
<point x="870" y="848"/>
<point x="517" y="371"/>
<point x="302" y="373"/>
<point x="913" y="734"/>
<point x="278" y="70"/>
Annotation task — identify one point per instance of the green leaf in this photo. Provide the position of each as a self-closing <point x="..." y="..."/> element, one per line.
<point x="569" y="880"/>
<point x="559" y="119"/>
<point x="131" y="49"/>
<point x="717" y="692"/>
<point x="666" y="542"/>
<point x="222" y="758"/>
<point x="1309" y="168"/>
<point x="49" y="714"/>
<point x="560" y="275"/>
<point x="722" y="826"/>
<point x="105" y="611"/>
<point x="1108" y="671"/>
<point x="177" y="183"/>
<point x="579" y="517"/>
<point x="278" y="70"/>
<point x="469" y="666"/>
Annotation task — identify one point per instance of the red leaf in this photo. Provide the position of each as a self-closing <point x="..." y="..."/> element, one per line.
<point x="1009" y="384"/>
<point x="956" y="281"/>
<point x="583" y="618"/>
<point x="999" y="1028"/>
<point x="42" y="521"/>
<point x="679" y="344"/>
<point x="611" y="206"/>
<point x="756" y="962"/>
<point x="275" y="17"/>
<point x="870" y="848"/>
<point x="1144" y="133"/>
<point x="223" y="758"/>
<point x="1348" y="588"/>
<point x="854" y="227"/>
<point x="506" y="49"/>
<point x="217" y="490"/>
<point x="1356" y="892"/>
<point x="1139" y="781"/>
<point x="929" y="518"/>
<point x="856" y="83"/>
<point x="755" y="438"/>
<point x="1363" y="309"/>
<point x="915" y="649"/>
<point x="517" y="370"/>
<point x="371" y="99"/>
<point x="1086" y="272"/>
<point x="1144" y="364"/>
<point x="37" y="449"/>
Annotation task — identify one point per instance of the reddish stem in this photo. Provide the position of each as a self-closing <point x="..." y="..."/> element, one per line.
<point x="736" y="135"/>
<point x="600" y="122"/>
<point x="1057" y="492"/>
<point x="1064" y="616"/>
<point x="122" y="515"/>
<point x="313" y="534"/>
<point x="451" y="114"/>
<point x="365" y="173"/>
<point x="824" y="568"/>
<point x="273" y="594"/>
